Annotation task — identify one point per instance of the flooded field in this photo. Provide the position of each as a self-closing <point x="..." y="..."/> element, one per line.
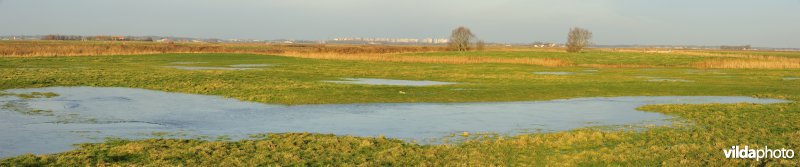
<point x="55" y="118"/>
<point x="391" y="82"/>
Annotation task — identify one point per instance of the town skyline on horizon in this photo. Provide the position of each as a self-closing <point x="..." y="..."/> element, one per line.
<point x="359" y="40"/>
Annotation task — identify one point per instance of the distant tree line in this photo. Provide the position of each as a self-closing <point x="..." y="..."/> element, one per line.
<point x="742" y="47"/>
<point x="63" y="37"/>
<point x="95" y="38"/>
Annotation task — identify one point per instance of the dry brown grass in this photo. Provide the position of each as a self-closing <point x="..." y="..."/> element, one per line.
<point x="92" y="48"/>
<point x="386" y="53"/>
<point x="704" y="53"/>
<point x="38" y="49"/>
<point x="334" y="48"/>
<point x="719" y="60"/>
<point x="524" y="49"/>
<point x="743" y="61"/>
<point x="787" y="63"/>
<point x="616" y="66"/>
<point x="708" y="54"/>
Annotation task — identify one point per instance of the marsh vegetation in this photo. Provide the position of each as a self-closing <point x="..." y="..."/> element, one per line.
<point x="496" y="75"/>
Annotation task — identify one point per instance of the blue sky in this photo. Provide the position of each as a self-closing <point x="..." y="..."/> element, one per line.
<point x="770" y="23"/>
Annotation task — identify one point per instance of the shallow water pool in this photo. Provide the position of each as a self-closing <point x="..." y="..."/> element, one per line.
<point x="90" y="114"/>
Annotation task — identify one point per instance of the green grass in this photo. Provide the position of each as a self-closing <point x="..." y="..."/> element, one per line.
<point x="588" y="57"/>
<point x="297" y="81"/>
<point x="709" y="128"/>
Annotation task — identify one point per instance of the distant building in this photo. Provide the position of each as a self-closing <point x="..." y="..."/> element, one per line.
<point x="390" y="40"/>
<point x="544" y="45"/>
<point x="743" y="47"/>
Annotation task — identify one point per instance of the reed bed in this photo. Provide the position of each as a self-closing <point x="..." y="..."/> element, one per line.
<point x="709" y="54"/>
<point x="525" y="49"/>
<point x="745" y="61"/>
<point x="703" y="53"/>
<point x="81" y="48"/>
<point x="341" y="49"/>
<point x="616" y="65"/>
<point x="786" y="63"/>
<point x="315" y="51"/>
<point x="47" y="49"/>
<point x="384" y="53"/>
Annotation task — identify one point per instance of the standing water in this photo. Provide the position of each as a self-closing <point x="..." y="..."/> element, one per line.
<point x="90" y="114"/>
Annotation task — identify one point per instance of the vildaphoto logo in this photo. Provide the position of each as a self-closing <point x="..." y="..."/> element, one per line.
<point x="758" y="153"/>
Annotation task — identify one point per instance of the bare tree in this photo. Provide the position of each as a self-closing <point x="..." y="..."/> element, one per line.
<point x="480" y="45"/>
<point x="459" y="40"/>
<point x="577" y="39"/>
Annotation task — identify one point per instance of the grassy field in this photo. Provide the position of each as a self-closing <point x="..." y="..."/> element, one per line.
<point x="292" y="80"/>
<point x="297" y="80"/>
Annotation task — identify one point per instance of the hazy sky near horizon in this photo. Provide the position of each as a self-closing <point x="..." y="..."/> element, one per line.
<point x="770" y="23"/>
